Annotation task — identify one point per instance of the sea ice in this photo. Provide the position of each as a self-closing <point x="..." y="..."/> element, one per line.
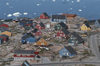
<point x="79" y="10"/>
<point x="25" y="13"/>
<point x="38" y="4"/>
<point x="78" y="0"/>
<point x="9" y="15"/>
<point x="7" y="3"/>
<point x="16" y="14"/>
<point x="54" y="0"/>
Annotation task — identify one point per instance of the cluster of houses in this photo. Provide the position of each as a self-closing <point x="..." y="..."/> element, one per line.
<point x="4" y="33"/>
<point x="34" y="31"/>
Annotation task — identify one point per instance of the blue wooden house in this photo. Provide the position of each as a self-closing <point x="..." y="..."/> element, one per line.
<point x="1" y="41"/>
<point x="67" y="51"/>
<point x="97" y="23"/>
<point x="28" y="38"/>
<point x="58" y="18"/>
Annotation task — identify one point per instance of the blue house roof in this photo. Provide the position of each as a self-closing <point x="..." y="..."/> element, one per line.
<point x="28" y="37"/>
<point x="31" y="40"/>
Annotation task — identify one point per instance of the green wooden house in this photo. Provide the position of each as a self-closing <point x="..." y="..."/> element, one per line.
<point x="57" y="27"/>
<point x="60" y="26"/>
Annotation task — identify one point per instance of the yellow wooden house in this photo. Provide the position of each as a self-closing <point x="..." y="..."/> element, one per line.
<point x="41" y="42"/>
<point x="85" y="27"/>
<point x="6" y="33"/>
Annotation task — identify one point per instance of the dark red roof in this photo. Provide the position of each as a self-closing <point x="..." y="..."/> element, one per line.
<point x="70" y="15"/>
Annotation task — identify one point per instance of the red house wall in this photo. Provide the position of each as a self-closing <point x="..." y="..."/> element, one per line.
<point x="4" y="38"/>
<point x="43" y="17"/>
<point x="39" y="27"/>
<point x="60" y="34"/>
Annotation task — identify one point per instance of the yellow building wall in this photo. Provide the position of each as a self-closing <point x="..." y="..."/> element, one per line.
<point x="85" y="28"/>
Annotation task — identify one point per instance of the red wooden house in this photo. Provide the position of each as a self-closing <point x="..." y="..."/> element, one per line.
<point x="44" y="16"/>
<point x="40" y="26"/>
<point x="4" y="25"/>
<point x="63" y="33"/>
<point x="4" y="37"/>
<point x="60" y="34"/>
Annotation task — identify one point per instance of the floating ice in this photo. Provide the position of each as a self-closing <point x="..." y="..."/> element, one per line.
<point x="72" y="1"/>
<point x="25" y="13"/>
<point x="78" y="0"/>
<point x="79" y="10"/>
<point x="38" y="4"/>
<point x="54" y="0"/>
<point x="7" y="3"/>
<point x="71" y="8"/>
<point x="16" y="14"/>
<point x="9" y="15"/>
